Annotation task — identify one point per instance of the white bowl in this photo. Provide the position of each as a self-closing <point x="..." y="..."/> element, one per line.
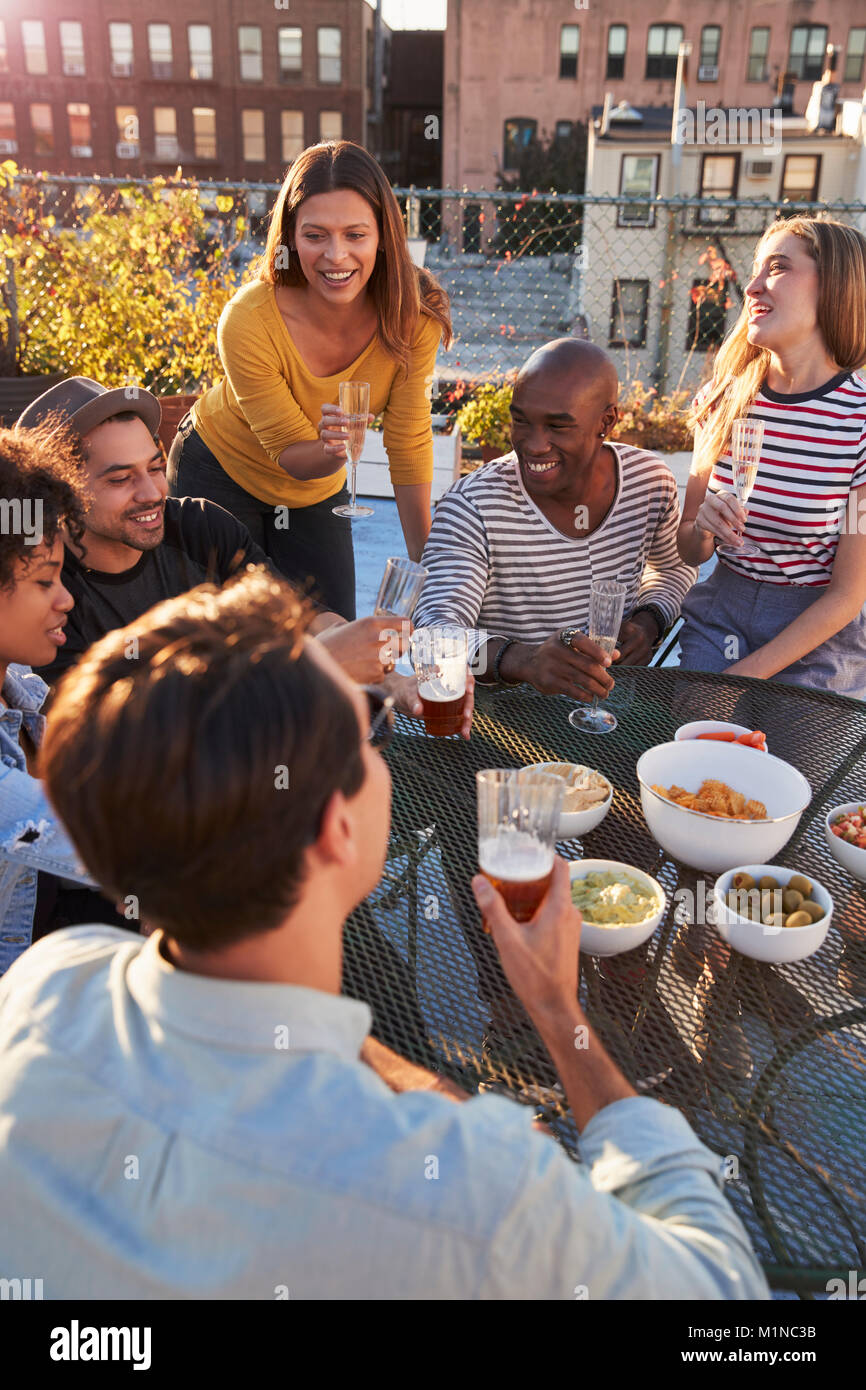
<point x="777" y="944"/>
<point x="612" y="941"/>
<point x="711" y="726"/>
<point x="711" y="842"/>
<point x="850" y="857"/>
<point x="574" y="824"/>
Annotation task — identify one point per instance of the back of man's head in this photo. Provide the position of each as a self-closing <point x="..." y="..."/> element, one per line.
<point x="191" y="756"/>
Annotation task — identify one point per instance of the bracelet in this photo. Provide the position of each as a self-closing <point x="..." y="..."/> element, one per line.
<point x="497" y="662"/>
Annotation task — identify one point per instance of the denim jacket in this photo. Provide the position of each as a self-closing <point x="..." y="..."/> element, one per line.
<point x="25" y="810"/>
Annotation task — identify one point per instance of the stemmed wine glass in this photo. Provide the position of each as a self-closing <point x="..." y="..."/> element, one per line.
<point x="354" y="402"/>
<point x="606" y="604"/>
<point x="747" y="438"/>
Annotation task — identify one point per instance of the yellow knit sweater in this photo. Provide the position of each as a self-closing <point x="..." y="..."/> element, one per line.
<point x="269" y="399"/>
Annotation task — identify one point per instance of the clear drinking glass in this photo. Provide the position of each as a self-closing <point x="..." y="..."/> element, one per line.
<point x="354" y="402"/>
<point x="747" y="437"/>
<point x="401" y="587"/>
<point x="606" y="604"/>
<point x="518" y="818"/>
<point x="439" y="659"/>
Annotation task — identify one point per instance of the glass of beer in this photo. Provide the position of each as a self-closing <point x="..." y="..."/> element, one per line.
<point x="354" y="402"/>
<point x="518" y="817"/>
<point x="439" y="658"/>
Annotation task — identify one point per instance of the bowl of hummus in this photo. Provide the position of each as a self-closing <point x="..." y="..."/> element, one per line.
<point x="621" y="905"/>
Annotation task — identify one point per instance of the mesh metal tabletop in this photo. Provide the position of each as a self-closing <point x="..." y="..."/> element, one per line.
<point x="768" y="1063"/>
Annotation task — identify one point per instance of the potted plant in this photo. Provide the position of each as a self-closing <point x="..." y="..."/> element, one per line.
<point x="485" y="419"/>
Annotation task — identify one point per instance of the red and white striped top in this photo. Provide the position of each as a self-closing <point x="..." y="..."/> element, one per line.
<point x="812" y="458"/>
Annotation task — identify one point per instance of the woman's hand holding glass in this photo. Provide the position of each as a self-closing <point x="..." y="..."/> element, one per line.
<point x="722" y="516"/>
<point x="334" y="431"/>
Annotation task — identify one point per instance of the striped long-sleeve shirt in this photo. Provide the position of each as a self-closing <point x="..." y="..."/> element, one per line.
<point x="497" y="566"/>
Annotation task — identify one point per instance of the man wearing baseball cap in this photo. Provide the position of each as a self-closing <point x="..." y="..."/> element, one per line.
<point x="141" y="546"/>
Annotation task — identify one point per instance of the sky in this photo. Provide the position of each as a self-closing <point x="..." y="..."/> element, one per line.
<point x="414" y="14"/>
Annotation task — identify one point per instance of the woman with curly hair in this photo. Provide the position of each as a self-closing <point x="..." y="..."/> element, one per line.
<point x="794" y="609"/>
<point x="337" y="298"/>
<point x="42" y="494"/>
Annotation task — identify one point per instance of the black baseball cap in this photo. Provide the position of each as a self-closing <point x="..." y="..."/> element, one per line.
<point x="83" y="404"/>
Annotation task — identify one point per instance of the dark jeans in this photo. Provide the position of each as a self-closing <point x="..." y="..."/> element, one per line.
<point x="314" y="551"/>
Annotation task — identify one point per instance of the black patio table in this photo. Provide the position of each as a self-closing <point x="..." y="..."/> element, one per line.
<point x="768" y="1063"/>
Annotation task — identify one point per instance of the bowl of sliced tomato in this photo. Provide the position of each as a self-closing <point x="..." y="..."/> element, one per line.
<point x="720" y="731"/>
<point x="845" y="830"/>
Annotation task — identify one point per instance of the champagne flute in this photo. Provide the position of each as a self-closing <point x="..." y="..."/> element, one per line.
<point x="747" y="436"/>
<point x="354" y="402"/>
<point x="606" y="604"/>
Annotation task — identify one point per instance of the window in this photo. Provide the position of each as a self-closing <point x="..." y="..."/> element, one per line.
<point x="707" y="316"/>
<point x="204" y="132"/>
<point x="250" y="50"/>
<point x="120" y="42"/>
<point x="628" y="313"/>
<point x="33" y="39"/>
<point x="617" y="35"/>
<point x="759" y="45"/>
<point x="854" y="57"/>
<point x="800" y="178"/>
<point x="638" y="177"/>
<point x="519" y="133"/>
<point x="330" y="61"/>
<point x="569" y="43"/>
<point x="42" y="125"/>
<point x="4" y="51"/>
<point x="253" y="132"/>
<point x="126" y="122"/>
<point x="808" y="46"/>
<point x="719" y="175"/>
<point x="72" y="48"/>
<point x="330" y="125"/>
<point x="165" y="132"/>
<point x="159" y="45"/>
<point x="8" y="137"/>
<point x="289" y="51"/>
<point x="291" y="134"/>
<point x="80" y="140"/>
<point x="663" y="42"/>
<point x="563" y="130"/>
<point x="708" y="64"/>
<point x="200" y="52"/>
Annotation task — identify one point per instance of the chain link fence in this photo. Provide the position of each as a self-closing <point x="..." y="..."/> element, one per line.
<point x="657" y="284"/>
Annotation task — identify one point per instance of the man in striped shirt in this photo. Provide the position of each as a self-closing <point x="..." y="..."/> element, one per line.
<point x="515" y="546"/>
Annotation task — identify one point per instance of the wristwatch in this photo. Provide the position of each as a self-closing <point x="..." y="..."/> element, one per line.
<point x="568" y="633"/>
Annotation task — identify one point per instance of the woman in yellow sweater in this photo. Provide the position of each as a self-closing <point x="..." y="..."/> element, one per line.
<point x="336" y="298"/>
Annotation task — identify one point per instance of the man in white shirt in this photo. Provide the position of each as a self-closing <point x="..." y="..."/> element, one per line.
<point x="198" y="1114"/>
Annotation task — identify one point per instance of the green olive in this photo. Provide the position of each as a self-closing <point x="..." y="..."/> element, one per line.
<point x="742" y="881"/>
<point x="815" y="910"/>
<point x="774" y="919"/>
<point x="800" y="884"/>
<point x="791" y="899"/>
<point x="768" y="882"/>
<point x="771" y="901"/>
<point x="743" y="902"/>
<point x="798" y="919"/>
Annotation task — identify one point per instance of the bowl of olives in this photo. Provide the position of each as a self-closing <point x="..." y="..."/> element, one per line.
<point x="771" y="913"/>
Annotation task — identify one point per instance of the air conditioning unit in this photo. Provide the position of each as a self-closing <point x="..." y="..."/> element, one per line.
<point x="121" y="69"/>
<point x="166" y="147"/>
<point x="73" y="69"/>
<point x="8" y="146"/>
<point x="81" y="151"/>
<point x="759" y="168"/>
<point x="708" y="74"/>
<point x="127" y="149"/>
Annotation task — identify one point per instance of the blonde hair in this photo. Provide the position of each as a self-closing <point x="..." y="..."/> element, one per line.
<point x="740" y="368"/>
<point x="399" y="289"/>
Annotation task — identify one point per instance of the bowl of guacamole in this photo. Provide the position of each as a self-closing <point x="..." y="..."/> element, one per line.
<point x="621" y="906"/>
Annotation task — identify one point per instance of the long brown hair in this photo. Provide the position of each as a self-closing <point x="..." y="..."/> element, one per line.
<point x="400" y="290"/>
<point x="740" y="368"/>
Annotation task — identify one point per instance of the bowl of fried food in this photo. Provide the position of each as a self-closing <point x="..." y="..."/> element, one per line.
<point x="771" y="913"/>
<point x="715" y="805"/>
<point x="588" y="797"/>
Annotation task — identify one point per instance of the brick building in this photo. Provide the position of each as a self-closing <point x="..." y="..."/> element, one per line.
<point x="514" y="68"/>
<point x="229" y="89"/>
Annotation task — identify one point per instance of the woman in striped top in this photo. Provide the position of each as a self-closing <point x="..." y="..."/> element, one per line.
<point x="794" y="611"/>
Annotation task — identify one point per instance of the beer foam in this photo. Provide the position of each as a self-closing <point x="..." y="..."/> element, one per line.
<point x="438" y="693"/>
<point x="514" y="856"/>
